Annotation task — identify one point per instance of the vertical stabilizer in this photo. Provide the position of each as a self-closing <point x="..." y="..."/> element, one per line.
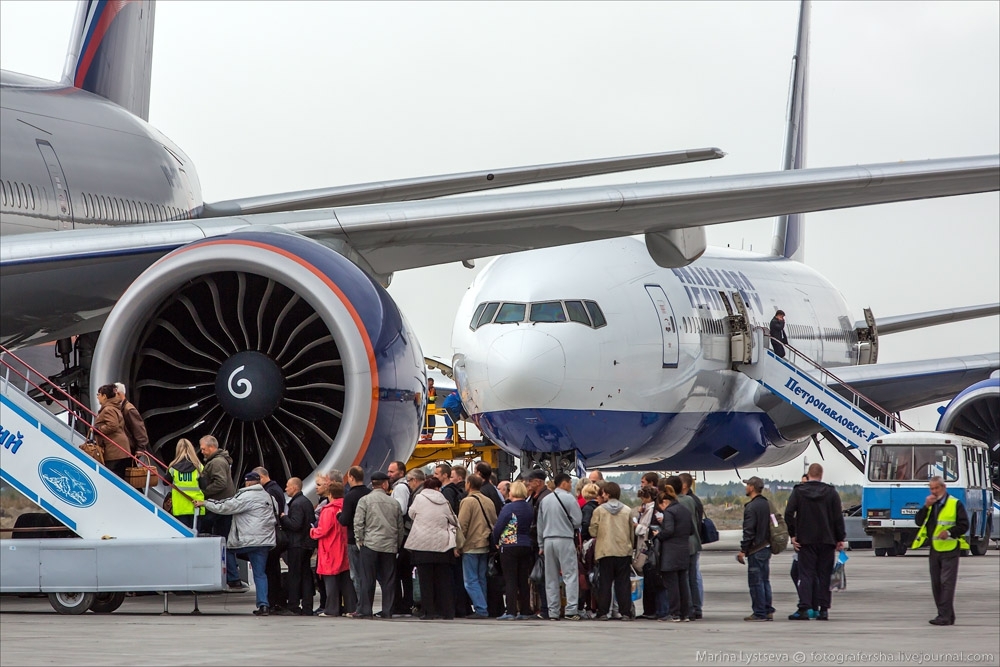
<point x="789" y="235"/>
<point x="111" y="52"/>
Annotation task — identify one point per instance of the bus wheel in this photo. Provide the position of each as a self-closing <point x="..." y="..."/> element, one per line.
<point x="105" y="603"/>
<point x="880" y="551"/>
<point x="980" y="547"/>
<point x="899" y="549"/>
<point x="71" y="603"/>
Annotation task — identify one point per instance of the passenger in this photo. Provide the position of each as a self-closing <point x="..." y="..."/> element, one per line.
<point x="184" y="471"/>
<point x="252" y="510"/>
<point x="944" y="518"/>
<point x="433" y="546"/>
<point x="503" y="488"/>
<point x="596" y="476"/>
<point x="650" y="480"/>
<point x="578" y="492"/>
<point x="589" y="495"/>
<point x="454" y="491"/>
<point x="216" y="483"/>
<point x="778" y="335"/>
<point x="694" y="576"/>
<point x="405" y="603"/>
<point x="512" y="532"/>
<point x="794" y="573"/>
<point x="485" y="470"/>
<point x="355" y="480"/>
<point x="675" y="549"/>
<point x="694" y="542"/>
<point x="559" y="519"/>
<point x="135" y="427"/>
<point x="644" y="517"/>
<point x="535" y="482"/>
<point x="322" y="482"/>
<point x="612" y="529"/>
<point x="815" y="522"/>
<point x="331" y="562"/>
<point x="378" y="528"/>
<point x="111" y="423"/>
<point x="276" y="594"/>
<point x="297" y="522"/>
<point x="400" y="485"/>
<point x="755" y="550"/>
<point x="476" y="518"/>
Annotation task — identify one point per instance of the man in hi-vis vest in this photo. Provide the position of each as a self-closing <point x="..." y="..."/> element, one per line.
<point x="943" y="518"/>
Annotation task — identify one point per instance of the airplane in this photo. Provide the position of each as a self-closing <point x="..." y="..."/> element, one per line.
<point x="596" y="355"/>
<point x="265" y="320"/>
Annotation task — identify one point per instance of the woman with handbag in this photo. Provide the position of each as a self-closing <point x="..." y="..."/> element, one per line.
<point x="674" y="602"/>
<point x="434" y="543"/>
<point x="111" y="423"/>
<point x="512" y="532"/>
<point x="184" y="472"/>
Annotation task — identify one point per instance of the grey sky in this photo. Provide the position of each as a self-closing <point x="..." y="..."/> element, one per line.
<point x="267" y="97"/>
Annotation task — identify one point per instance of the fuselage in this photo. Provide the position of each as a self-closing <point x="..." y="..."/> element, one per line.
<point x="654" y="383"/>
<point x="72" y="159"/>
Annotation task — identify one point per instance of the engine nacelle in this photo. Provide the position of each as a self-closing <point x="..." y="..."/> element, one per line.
<point x="280" y="347"/>
<point x="975" y="413"/>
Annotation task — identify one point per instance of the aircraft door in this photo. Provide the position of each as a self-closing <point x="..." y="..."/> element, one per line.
<point x="668" y="325"/>
<point x="64" y="207"/>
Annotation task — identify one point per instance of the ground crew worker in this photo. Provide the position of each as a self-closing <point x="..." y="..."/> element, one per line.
<point x="431" y="408"/>
<point x="184" y="472"/>
<point x="945" y="519"/>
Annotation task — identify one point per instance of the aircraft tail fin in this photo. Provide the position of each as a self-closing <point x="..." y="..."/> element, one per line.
<point x="111" y="52"/>
<point x="789" y="234"/>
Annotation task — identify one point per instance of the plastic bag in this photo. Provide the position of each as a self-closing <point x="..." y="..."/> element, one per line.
<point x="838" y="580"/>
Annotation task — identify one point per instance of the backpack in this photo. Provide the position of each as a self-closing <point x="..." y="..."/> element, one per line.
<point x="708" y="533"/>
<point x="777" y="530"/>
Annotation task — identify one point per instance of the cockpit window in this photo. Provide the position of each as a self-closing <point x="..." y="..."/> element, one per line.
<point x="577" y="313"/>
<point x="488" y="313"/>
<point x="510" y="312"/>
<point x="595" y="314"/>
<point x="475" y="316"/>
<point x="547" y="311"/>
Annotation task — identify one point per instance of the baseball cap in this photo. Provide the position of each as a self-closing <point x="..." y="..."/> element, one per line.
<point x="251" y="477"/>
<point x="379" y="476"/>
<point x="755" y="482"/>
<point x="536" y="474"/>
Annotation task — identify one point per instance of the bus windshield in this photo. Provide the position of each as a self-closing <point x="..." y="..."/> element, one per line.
<point x="912" y="463"/>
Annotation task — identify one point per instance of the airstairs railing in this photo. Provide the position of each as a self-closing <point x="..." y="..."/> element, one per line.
<point x="79" y="416"/>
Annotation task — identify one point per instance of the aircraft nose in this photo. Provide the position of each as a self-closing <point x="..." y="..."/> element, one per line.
<point x="526" y="368"/>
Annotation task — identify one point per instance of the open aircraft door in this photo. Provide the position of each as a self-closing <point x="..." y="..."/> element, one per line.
<point x="668" y="325"/>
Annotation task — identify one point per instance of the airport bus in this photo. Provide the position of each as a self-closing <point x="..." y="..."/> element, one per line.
<point x="898" y="468"/>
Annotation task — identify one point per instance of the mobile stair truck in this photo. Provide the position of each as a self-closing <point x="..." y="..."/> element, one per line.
<point x="126" y="541"/>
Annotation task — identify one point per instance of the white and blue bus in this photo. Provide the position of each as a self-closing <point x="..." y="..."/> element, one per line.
<point x="898" y="468"/>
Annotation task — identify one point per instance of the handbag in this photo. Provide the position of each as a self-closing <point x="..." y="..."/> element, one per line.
<point x="538" y="570"/>
<point x="138" y="476"/>
<point x="493" y="568"/>
<point x="456" y="538"/>
<point x="709" y="533"/>
<point x="93" y="450"/>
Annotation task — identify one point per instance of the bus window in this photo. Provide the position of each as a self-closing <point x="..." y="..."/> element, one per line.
<point x="935" y="461"/>
<point x="890" y="463"/>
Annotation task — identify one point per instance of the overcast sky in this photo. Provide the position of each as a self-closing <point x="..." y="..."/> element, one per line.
<point x="268" y="98"/>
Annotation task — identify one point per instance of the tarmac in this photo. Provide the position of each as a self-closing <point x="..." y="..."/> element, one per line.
<point x="881" y="619"/>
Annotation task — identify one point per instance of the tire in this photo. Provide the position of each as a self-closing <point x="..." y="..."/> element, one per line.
<point x="71" y="603"/>
<point x="980" y="547"/>
<point x="105" y="603"/>
<point x="899" y="549"/>
<point x="881" y="551"/>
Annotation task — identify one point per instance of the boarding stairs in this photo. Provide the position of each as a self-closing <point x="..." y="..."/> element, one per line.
<point x="40" y="456"/>
<point x="849" y="419"/>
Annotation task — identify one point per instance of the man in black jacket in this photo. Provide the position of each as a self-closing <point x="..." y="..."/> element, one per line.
<point x="755" y="550"/>
<point x="816" y="527"/>
<point x="485" y="470"/>
<point x="945" y="520"/>
<point x="297" y="521"/>
<point x="778" y="335"/>
<point x="275" y="591"/>
<point x="355" y="479"/>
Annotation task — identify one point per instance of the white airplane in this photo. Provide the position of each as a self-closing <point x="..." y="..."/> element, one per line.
<point x="595" y="355"/>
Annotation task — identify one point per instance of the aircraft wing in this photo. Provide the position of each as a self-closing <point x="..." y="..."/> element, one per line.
<point x="897" y="323"/>
<point x="912" y="384"/>
<point x="90" y="268"/>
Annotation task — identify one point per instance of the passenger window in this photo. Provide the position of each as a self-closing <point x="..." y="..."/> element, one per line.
<point x="510" y="312"/>
<point x="891" y="463"/>
<point x="577" y="313"/>
<point x="488" y="313"/>
<point x="547" y="311"/>
<point x="595" y="314"/>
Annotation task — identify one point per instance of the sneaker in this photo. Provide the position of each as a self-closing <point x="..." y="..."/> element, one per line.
<point x="552" y="618"/>
<point x="525" y="617"/>
<point x="479" y="616"/>
<point x="770" y="616"/>
<point x="627" y="617"/>
<point x="799" y="615"/>
<point x="676" y="619"/>
<point x="360" y="615"/>
<point x="261" y="611"/>
<point x="755" y="618"/>
<point x="697" y="616"/>
<point x="237" y="588"/>
<point x="574" y="617"/>
<point x="602" y="618"/>
<point x="323" y="614"/>
<point x="287" y="612"/>
<point x="813" y="614"/>
<point x="823" y="615"/>
<point x="507" y="617"/>
<point x="383" y="615"/>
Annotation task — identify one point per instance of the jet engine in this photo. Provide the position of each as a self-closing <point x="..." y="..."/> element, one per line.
<point x="975" y="413"/>
<point x="283" y="349"/>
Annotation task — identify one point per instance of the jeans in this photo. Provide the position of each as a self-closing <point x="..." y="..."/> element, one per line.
<point x="759" y="578"/>
<point x="258" y="563"/>
<point x="474" y="574"/>
<point x="694" y="574"/>
<point x="451" y="428"/>
<point x="354" y="562"/>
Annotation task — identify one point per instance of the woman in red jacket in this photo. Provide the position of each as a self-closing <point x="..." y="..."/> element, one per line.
<point x="331" y="560"/>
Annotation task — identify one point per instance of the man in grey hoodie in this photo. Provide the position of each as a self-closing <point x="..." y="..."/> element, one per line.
<point x="559" y="519"/>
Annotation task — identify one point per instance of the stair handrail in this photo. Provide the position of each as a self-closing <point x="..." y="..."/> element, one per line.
<point x="878" y="408"/>
<point x="6" y="352"/>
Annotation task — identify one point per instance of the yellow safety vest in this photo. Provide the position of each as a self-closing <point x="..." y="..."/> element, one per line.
<point x="188" y="483"/>
<point x="947" y="518"/>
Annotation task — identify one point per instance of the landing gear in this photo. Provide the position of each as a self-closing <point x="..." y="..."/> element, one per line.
<point x="552" y="463"/>
<point x="105" y="603"/>
<point x="71" y="603"/>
